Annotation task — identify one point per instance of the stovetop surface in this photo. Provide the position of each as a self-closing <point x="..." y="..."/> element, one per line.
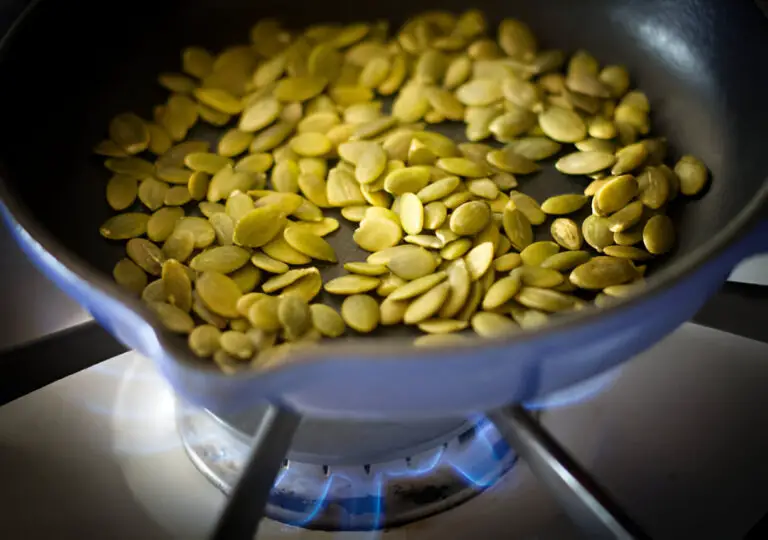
<point x="677" y="439"/>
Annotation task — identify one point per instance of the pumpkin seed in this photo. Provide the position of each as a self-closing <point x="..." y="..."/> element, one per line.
<point x="560" y="205"/>
<point x="263" y="314"/>
<point x="326" y="320"/>
<point x="146" y="255"/>
<point x="129" y="132"/>
<point x="479" y="92"/>
<point x="507" y="262"/>
<point x="566" y="260"/>
<point x="566" y="233"/>
<point x="411" y="213"/>
<point x="219" y="100"/>
<point x="412" y="263"/>
<point x="629" y="158"/>
<point x="257" y="164"/>
<point x="426" y="305"/>
<point x="534" y="148"/>
<point x="236" y="344"/>
<point x="352" y="284"/>
<point x="204" y="340"/>
<point x="342" y="189"/>
<point x="309" y="243"/>
<point x="597" y="232"/>
<point x="538" y="252"/>
<point x="177" y="285"/>
<point x="129" y="275"/>
<point x="360" y="312"/>
<point x="258" y="226"/>
<point x="562" y="125"/>
<point x="536" y="276"/>
<point x="601" y="272"/>
<point x="375" y="234"/>
<point x="417" y="286"/>
<point x="435" y="214"/>
<point x="659" y="235"/>
<point x="509" y="161"/>
<point x="428" y="194"/>
<point x="584" y="162"/>
<point x="109" y="148"/>
<point x="544" y="299"/>
<point x="247" y="278"/>
<point x="479" y="260"/>
<point x="653" y="187"/>
<point x="502" y="291"/>
<point x="492" y="325"/>
<point x="442" y="326"/>
<point x="299" y="88"/>
<point x="517" y="227"/>
<point x="616" y="193"/>
<point x="626" y="217"/>
<point x="245" y="302"/>
<point x="307" y="287"/>
<point x="122" y="190"/>
<point x="528" y="206"/>
<point x="173" y="318"/>
<point x="595" y="145"/>
<point x="470" y="218"/>
<point x="290" y="277"/>
<point x="692" y="174"/>
<point x="294" y="316"/>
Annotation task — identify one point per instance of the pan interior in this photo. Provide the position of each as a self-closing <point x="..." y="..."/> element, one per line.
<point x="71" y="67"/>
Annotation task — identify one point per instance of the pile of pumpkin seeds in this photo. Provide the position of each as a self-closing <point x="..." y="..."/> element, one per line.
<point x="225" y="240"/>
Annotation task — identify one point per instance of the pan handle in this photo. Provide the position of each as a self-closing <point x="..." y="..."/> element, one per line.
<point x="741" y="308"/>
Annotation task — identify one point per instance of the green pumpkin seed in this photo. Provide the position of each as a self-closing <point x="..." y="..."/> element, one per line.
<point x="627" y="252"/>
<point x="412" y="264"/>
<point x="309" y="244"/>
<point x="129" y="132"/>
<point x="258" y="226"/>
<point x="595" y="145"/>
<point x="237" y="345"/>
<point x="560" y="205"/>
<point x="152" y="193"/>
<point x="411" y="213"/>
<point x="177" y="196"/>
<point x="692" y="174"/>
<point x="245" y="302"/>
<point x="623" y="291"/>
<point x="470" y="218"/>
<point x="294" y="316"/>
<point x="177" y="285"/>
<point x="179" y="245"/>
<point x="626" y="217"/>
<point x="653" y="187"/>
<point x="659" y="235"/>
<point x="205" y="340"/>
<point x="517" y="227"/>
<point x="442" y="326"/>
<point x="509" y="161"/>
<point x="479" y="260"/>
<point x="200" y="228"/>
<point x="173" y="318"/>
<point x="536" y="276"/>
<point x="492" y="325"/>
<point x="375" y="234"/>
<point x="528" y="206"/>
<point x="544" y="299"/>
<point x="629" y="158"/>
<point x="219" y="100"/>
<point x="538" y="252"/>
<point x="342" y="189"/>
<point x="129" y="275"/>
<point x="566" y="260"/>
<point x="247" y="278"/>
<point x="263" y="314"/>
<point x="483" y="187"/>
<point x="370" y="164"/>
<point x="597" y="232"/>
<point x="584" y="162"/>
<point x="408" y="180"/>
<point x="290" y="277"/>
<point x="616" y="193"/>
<point x="417" y="286"/>
<point x="219" y="293"/>
<point x="456" y="249"/>
<point x="146" y="255"/>
<point x="479" y="92"/>
<point x="222" y="259"/>
<point x="360" y="312"/>
<point x="307" y="287"/>
<point x="427" y="194"/>
<point x="507" y="262"/>
<point x="352" y="284"/>
<point x="502" y="291"/>
<point x="562" y="125"/>
<point x="534" y="148"/>
<point x="122" y="190"/>
<point x="299" y="88"/>
<point x="326" y="320"/>
<point x="566" y="233"/>
<point x="602" y="272"/>
<point x="365" y="269"/>
<point x="426" y="305"/>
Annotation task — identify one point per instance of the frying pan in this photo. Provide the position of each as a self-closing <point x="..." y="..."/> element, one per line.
<point x="68" y="67"/>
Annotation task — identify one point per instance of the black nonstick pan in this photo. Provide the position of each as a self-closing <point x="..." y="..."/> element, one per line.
<point x="68" y="67"/>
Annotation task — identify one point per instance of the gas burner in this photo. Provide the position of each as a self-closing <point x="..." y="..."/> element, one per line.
<point x="356" y="476"/>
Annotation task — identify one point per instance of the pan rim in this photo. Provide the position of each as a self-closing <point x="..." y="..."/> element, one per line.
<point x="401" y="348"/>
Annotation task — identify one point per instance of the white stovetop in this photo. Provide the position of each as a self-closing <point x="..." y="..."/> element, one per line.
<point x="678" y="439"/>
